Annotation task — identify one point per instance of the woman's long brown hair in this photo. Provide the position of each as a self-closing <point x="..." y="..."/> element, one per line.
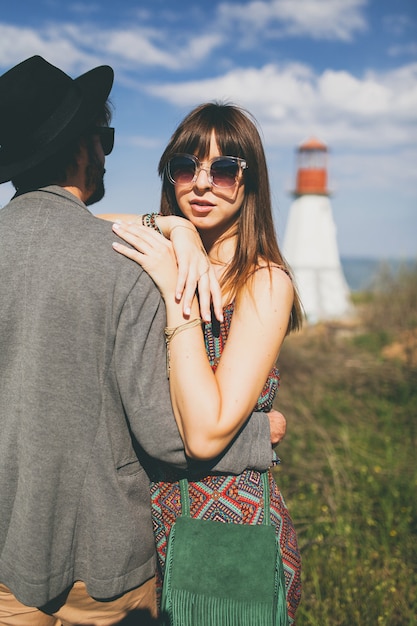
<point x="236" y="135"/>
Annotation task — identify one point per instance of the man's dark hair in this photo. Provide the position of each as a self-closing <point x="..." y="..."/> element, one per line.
<point x="54" y="169"/>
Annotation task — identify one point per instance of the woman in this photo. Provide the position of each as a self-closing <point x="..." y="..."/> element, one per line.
<point x="215" y="182"/>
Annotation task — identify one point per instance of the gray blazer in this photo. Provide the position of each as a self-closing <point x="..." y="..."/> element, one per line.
<point x="83" y="394"/>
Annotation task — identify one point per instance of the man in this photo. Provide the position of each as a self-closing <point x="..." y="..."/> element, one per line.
<point x="84" y="398"/>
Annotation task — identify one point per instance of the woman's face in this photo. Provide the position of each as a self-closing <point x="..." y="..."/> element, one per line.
<point x="213" y="210"/>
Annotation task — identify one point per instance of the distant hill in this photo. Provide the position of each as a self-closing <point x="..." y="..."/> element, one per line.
<point x="360" y="273"/>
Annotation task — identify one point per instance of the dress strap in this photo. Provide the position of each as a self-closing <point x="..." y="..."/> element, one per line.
<point x="276" y="266"/>
<point x="283" y="268"/>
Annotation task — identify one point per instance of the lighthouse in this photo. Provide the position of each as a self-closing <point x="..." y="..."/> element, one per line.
<point x="310" y="243"/>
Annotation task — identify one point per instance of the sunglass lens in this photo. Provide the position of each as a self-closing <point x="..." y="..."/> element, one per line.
<point x="182" y="170"/>
<point x="224" y="172"/>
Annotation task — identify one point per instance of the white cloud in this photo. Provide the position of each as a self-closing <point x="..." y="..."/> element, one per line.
<point x="73" y="46"/>
<point x="17" y="44"/>
<point x="147" y="48"/>
<point x="398" y="24"/>
<point x="406" y="49"/>
<point x="290" y="101"/>
<point x="270" y="88"/>
<point x="84" y="8"/>
<point x="342" y="92"/>
<point x="136" y="46"/>
<point x="80" y="44"/>
<point x="318" y="19"/>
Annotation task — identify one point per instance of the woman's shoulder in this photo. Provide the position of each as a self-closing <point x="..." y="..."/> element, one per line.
<point x="282" y="268"/>
<point x="269" y="286"/>
<point x="263" y="265"/>
<point x="271" y="275"/>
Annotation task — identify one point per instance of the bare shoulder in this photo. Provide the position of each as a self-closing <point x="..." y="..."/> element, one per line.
<point x="270" y="293"/>
<point x="273" y="278"/>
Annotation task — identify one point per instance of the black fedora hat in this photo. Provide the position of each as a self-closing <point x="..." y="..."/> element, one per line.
<point x="42" y="109"/>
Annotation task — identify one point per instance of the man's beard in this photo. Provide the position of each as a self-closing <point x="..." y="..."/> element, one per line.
<point x="94" y="175"/>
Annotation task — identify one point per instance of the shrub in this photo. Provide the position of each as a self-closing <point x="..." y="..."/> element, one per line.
<point x="348" y="471"/>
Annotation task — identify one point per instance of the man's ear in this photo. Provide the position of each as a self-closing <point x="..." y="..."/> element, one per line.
<point x="81" y="156"/>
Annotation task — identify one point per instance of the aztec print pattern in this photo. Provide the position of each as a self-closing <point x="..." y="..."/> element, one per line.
<point x="233" y="499"/>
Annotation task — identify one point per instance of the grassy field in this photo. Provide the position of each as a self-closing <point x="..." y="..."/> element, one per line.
<point x="349" y="462"/>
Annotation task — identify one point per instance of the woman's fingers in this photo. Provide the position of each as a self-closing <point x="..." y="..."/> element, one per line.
<point x="152" y="251"/>
<point x="131" y="253"/>
<point x="194" y="271"/>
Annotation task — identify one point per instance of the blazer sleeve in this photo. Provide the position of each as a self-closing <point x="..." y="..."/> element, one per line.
<point x="140" y="363"/>
<point x="251" y="448"/>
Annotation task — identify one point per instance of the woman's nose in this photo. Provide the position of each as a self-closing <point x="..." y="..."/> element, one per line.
<point x="202" y="181"/>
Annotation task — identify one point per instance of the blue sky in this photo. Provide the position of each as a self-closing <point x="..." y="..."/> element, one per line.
<point x="342" y="70"/>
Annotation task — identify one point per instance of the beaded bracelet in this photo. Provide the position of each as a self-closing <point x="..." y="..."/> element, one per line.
<point x="171" y="332"/>
<point x="149" y="219"/>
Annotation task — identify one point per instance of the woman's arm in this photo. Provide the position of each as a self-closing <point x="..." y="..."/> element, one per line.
<point x="211" y="408"/>
<point x="226" y="399"/>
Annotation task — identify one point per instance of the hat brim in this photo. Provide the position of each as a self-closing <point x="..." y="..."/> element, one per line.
<point x="93" y="89"/>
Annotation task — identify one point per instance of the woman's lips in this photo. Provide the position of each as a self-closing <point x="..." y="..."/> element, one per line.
<point x="201" y="207"/>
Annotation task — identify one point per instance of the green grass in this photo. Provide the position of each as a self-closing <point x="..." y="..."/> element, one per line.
<point x="349" y="475"/>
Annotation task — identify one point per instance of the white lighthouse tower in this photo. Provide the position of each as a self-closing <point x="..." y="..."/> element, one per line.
<point x="310" y="244"/>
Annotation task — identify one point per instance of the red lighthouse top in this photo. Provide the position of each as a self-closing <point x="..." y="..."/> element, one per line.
<point x="311" y="168"/>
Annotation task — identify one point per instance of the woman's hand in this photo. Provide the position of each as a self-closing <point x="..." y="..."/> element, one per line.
<point x="195" y="271"/>
<point x="278" y="426"/>
<point x="178" y="267"/>
<point x="152" y="252"/>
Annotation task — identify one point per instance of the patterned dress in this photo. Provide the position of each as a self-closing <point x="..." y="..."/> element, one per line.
<point x="229" y="498"/>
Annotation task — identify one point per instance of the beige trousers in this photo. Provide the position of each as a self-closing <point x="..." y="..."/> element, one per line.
<point x="137" y="606"/>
